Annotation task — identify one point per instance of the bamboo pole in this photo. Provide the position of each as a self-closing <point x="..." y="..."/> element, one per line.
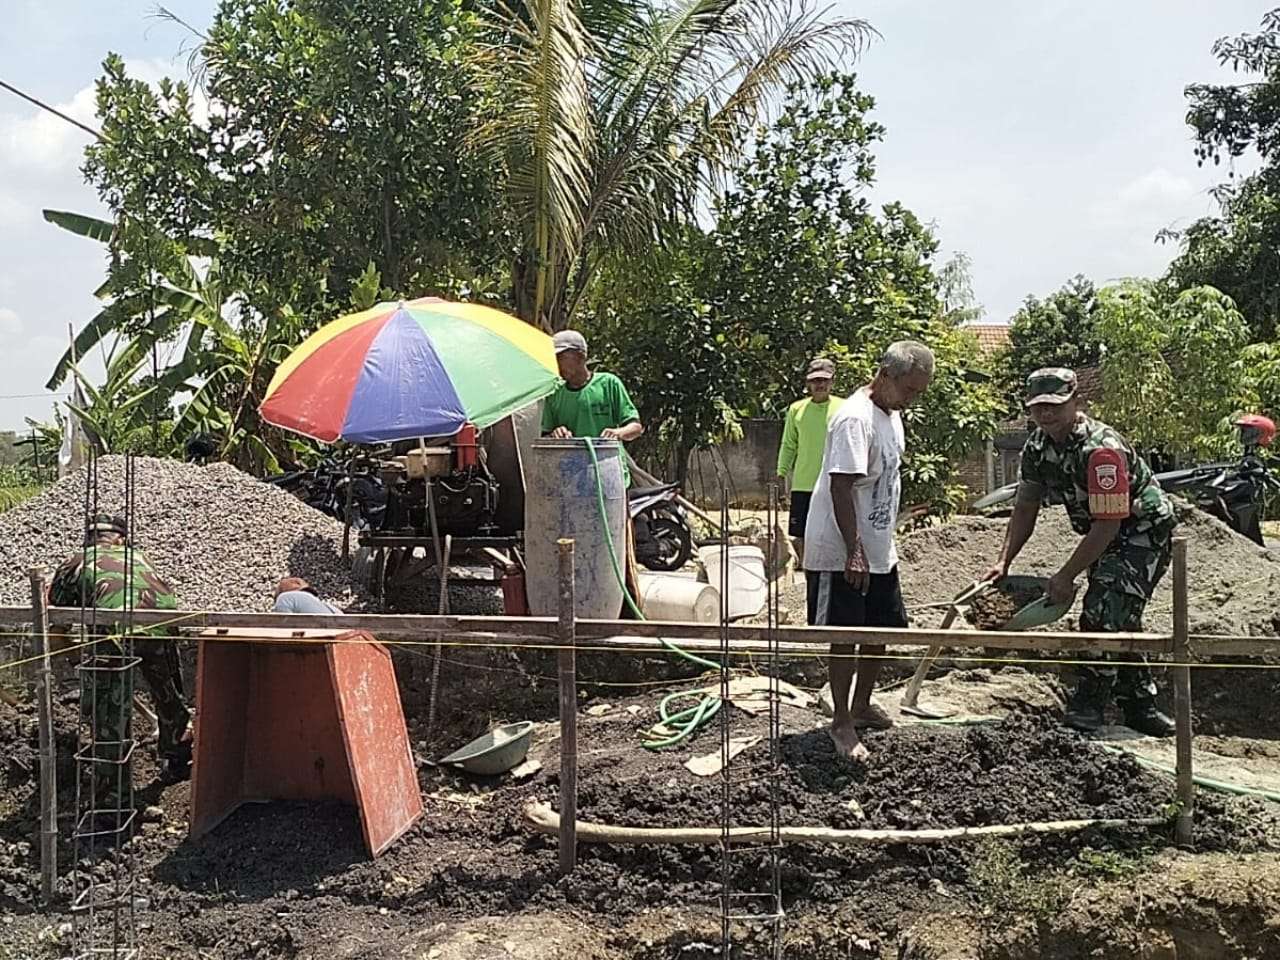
<point x="568" y="712"/>
<point x="542" y="819"/>
<point x="48" y="752"/>
<point x="1182" y="696"/>
<point x="545" y="630"/>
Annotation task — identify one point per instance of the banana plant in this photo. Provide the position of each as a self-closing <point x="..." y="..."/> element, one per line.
<point x="114" y="414"/>
<point x="222" y="369"/>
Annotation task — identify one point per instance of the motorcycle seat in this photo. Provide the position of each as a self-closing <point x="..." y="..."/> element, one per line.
<point x="636" y="493"/>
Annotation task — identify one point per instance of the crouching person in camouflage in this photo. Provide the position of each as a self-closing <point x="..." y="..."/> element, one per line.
<point x="1126" y="522"/>
<point x="98" y="577"/>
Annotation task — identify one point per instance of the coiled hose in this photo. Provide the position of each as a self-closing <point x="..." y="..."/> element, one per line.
<point x="683" y="723"/>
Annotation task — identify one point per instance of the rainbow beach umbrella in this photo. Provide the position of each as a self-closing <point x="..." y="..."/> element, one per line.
<point x="421" y="368"/>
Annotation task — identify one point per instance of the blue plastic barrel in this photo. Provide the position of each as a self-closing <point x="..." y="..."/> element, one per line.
<point x="561" y="501"/>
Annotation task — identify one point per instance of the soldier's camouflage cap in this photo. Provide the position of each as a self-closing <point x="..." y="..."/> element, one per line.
<point x="106" y="523"/>
<point x="1051" y="385"/>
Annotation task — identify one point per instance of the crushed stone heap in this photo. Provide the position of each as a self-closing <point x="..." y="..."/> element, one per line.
<point x="222" y="538"/>
<point x="1233" y="584"/>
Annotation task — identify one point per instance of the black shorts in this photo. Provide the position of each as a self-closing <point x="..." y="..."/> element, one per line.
<point x="833" y="602"/>
<point x="799" y="513"/>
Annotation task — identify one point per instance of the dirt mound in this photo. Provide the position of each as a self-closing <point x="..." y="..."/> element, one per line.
<point x="222" y="538"/>
<point x="994" y="608"/>
<point x="292" y="880"/>
<point x="1234" y="584"/>
<point x="1024" y="768"/>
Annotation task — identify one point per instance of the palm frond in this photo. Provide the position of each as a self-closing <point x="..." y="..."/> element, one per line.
<point x="708" y="73"/>
<point x="81" y="225"/>
<point x="178" y="305"/>
<point x="792" y="44"/>
<point x="542" y="131"/>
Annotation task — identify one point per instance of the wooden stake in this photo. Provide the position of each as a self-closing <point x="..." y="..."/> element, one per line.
<point x="1182" y="695"/>
<point x="48" y="754"/>
<point x="568" y="714"/>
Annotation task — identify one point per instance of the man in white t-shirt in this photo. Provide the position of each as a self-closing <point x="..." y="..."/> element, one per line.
<point x="850" y="559"/>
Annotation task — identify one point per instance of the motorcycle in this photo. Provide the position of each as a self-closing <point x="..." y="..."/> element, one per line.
<point x="663" y="538"/>
<point x="1234" y="492"/>
<point x="324" y="488"/>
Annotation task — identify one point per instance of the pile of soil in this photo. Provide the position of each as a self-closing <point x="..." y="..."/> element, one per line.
<point x="1234" y="584"/>
<point x="995" y="607"/>
<point x="222" y="538"/>
<point x="1027" y="767"/>
<point x="286" y="880"/>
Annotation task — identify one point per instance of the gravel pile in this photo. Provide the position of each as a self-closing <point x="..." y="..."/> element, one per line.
<point x="222" y="538"/>
<point x="1234" y="585"/>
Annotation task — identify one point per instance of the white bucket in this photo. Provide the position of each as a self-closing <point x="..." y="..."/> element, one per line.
<point x="748" y="585"/>
<point x="678" y="599"/>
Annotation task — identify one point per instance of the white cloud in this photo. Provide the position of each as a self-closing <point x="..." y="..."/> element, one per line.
<point x="38" y="140"/>
<point x="1157" y="187"/>
<point x="47" y="276"/>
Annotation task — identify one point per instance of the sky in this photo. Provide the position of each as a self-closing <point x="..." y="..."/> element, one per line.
<point x="1042" y="139"/>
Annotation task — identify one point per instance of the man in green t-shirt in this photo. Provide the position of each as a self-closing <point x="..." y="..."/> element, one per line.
<point x="804" y="434"/>
<point x="588" y="404"/>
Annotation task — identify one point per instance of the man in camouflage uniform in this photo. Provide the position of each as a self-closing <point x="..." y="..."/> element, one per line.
<point x="97" y="576"/>
<point x="1126" y="521"/>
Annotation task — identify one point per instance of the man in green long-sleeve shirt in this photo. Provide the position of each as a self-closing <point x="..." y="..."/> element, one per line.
<point x="803" y="436"/>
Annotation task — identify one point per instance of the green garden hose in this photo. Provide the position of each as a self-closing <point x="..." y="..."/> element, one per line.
<point x="683" y="723"/>
<point x="1219" y="786"/>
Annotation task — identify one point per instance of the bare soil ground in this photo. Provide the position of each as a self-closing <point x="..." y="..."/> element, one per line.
<point x="287" y="880"/>
<point x="472" y="882"/>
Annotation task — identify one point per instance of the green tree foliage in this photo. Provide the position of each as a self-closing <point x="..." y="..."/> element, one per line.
<point x="1171" y="373"/>
<point x="797" y="264"/>
<point x="334" y="137"/>
<point x="219" y="358"/>
<point x="955" y="290"/>
<point x="1238" y="251"/>
<point x="653" y="325"/>
<point x="1058" y="331"/>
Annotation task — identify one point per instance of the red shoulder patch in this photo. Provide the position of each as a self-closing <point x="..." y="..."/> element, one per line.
<point x="1108" y="481"/>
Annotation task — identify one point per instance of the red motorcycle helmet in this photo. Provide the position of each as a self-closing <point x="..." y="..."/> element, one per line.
<point x="1256" y="430"/>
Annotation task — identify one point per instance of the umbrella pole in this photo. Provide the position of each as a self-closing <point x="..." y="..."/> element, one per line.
<point x="431" y="505"/>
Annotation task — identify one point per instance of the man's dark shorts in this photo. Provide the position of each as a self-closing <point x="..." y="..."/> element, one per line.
<point x="834" y="602"/>
<point x="799" y="513"/>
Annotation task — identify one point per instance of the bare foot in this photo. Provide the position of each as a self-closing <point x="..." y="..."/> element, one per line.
<point x="871" y="716"/>
<point x="848" y="744"/>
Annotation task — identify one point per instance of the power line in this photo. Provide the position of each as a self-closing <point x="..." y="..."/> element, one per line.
<point x="54" y="110"/>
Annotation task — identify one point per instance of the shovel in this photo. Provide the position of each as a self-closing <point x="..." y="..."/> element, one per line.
<point x="1038" y="613"/>
<point x="912" y="694"/>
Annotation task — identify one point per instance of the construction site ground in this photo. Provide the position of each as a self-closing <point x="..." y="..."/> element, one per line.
<point x="472" y="881"/>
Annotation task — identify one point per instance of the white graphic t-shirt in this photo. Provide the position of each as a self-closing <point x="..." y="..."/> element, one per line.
<point x="864" y="441"/>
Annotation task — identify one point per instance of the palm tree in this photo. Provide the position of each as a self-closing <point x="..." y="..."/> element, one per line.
<point x="613" y="117"/>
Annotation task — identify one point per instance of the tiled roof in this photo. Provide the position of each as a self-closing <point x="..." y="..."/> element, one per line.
<point x="1089" y="383"/>
<point x="991" y="336"/>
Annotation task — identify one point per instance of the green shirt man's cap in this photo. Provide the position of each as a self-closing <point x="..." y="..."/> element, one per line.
<point x="1051" y="385"/>
<point x="570" y="340"/>
<point x="821" y="369"/>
